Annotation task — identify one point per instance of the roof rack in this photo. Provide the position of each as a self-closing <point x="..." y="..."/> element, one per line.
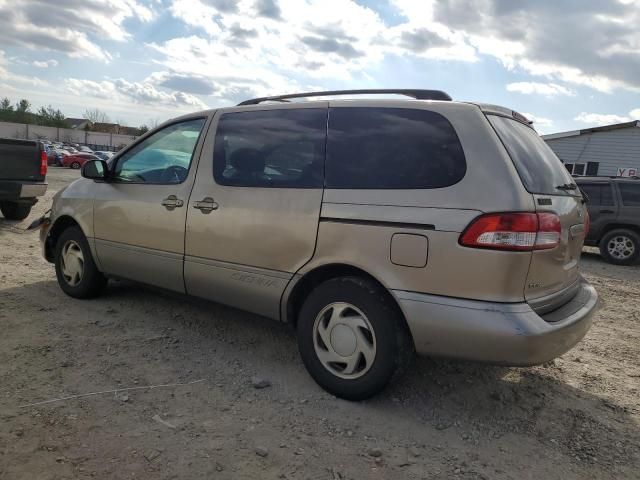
<point x="417" y="94"/>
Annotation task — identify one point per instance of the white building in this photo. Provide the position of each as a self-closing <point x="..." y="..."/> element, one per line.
<point x="612" y="150"/>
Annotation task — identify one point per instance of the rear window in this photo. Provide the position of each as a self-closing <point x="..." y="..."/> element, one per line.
<point x="598" y="193"/>
<point x="392" y="148"/>
<point x="630" y="194"/>
<point x="540" y="170"/>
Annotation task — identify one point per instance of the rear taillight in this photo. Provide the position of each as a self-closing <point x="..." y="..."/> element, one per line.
<point x="514" y="231"/>
<point x="43" y="163"/>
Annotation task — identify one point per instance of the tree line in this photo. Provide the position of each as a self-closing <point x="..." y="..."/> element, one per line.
<point x="49" y="117"/>
<point x="21" y="113"/>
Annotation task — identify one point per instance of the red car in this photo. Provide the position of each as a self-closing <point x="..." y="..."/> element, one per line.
<point x="77" y="160"/>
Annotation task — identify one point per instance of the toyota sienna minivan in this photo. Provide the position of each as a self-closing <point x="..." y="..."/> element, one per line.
<point x="376" y="227"/>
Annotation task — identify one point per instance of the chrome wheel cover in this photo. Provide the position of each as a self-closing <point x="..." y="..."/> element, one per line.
<point x="72" y="263"/>
<point x="344" y="340"/>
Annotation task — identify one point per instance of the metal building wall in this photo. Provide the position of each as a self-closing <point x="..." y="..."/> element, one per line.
<point x="613" y="149"/>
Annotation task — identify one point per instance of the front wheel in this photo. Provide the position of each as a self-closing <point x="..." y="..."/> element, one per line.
<point x="76" y="271"/>
<point x="352" y="337"/>
<point x="620" y="247"/>
<point x="15" y="210"/>
<point x="75" y="165"/>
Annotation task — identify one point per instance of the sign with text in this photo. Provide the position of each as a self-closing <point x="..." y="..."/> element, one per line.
<point x="628" y="172"/>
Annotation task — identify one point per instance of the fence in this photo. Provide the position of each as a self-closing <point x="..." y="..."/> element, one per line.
<point x="95" y="140"/>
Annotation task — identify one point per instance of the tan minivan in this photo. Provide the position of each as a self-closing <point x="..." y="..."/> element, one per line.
<point x="375" y="227"/>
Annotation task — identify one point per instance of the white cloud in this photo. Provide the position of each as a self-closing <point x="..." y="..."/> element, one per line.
<point x="601" y="118"/>
<point x="635" y="114"/>
<point x="45" y="64"/>
<point x="14" y="82"/>
<point x="139" y="92"/>
<point x="546" y="89"/>
<point x="539" y="121"/>
<point x="73" y="27"/>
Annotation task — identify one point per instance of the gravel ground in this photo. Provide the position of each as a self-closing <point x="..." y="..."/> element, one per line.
<point x="577" y="417"/>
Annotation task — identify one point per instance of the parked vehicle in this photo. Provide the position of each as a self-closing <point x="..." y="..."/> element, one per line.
<point x="375" y="227"/>
<point x="23" y="169"/>
<point x="77" y="160"/>
<point x="84" y="149"/>
<point x="614" y="209"/>
<point x="103" y="155"/>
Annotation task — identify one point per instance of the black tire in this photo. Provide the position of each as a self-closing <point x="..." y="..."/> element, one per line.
<point x="91" y="281"/>
<point x="14" y="210"/>
<point x="75" y="165"/>
<point x="393" y="343"/>
<point x="628" y="237"/>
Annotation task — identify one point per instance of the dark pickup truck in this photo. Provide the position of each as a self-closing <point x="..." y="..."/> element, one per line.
<point x="614" y="208"/>
<point x="23" y="169"/>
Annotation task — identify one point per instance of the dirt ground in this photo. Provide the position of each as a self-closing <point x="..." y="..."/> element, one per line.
<point x="577" y="417"/>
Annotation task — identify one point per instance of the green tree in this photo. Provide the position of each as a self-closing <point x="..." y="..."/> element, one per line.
<point x="5" y="105"/>
<point x="23" y="106"/>
<point x="142" y="129"/>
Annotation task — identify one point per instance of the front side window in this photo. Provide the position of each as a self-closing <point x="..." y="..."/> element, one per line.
<point x="392" y="148"/>
<point x="630" y="194"/>
<point x="282" y="148"/>
<point x="162" y="158"/>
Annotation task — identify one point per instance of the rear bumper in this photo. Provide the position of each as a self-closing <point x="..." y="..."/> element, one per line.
<point x="16" y="190"/>
<point x="500" y="333"/>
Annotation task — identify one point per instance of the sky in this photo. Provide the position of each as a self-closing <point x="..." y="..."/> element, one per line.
<point x="567" y="64"/>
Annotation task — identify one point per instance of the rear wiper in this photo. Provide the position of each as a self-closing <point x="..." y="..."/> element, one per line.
<point x="567" y="186"/>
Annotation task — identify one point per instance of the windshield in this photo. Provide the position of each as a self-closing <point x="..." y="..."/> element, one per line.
<point x="540" y="170"/>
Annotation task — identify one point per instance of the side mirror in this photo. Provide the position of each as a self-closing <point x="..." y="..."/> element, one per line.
<point x="95" y="170"/>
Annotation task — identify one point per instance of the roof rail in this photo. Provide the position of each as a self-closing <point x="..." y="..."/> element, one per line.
<point x="417" y="94"/>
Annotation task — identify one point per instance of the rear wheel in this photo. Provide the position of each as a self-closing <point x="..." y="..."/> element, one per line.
<point x="76" y="271"/>
<point x="14" y="210"/>
<point x="352" y="337"/>
<point x="620" y="247"/>
<point x="75" y="165"/>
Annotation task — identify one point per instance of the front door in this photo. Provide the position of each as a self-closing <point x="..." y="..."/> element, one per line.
<point x="254" y="210"/>
<point x="139" y="214"/>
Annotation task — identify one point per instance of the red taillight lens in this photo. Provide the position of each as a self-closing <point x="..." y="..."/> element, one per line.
<point x="43" y="163"/>
<point x="513" y="231"/>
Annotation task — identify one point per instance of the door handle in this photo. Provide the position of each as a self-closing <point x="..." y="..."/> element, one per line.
<point x="206" y="205"/>
<point x="172" y="202"/>
<point x="606" y="211"/>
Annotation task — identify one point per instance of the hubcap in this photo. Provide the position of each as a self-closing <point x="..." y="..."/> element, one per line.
<point x="72" y="263"/>
<point x="344" y="340"/>
<point x="621" y="247"/>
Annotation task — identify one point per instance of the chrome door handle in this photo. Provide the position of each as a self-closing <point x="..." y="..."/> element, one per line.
<point x="172" y="202"/>
<point x="206" y="205"/>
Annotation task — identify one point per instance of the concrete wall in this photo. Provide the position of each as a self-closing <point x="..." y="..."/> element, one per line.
<point x="36" y="132"/>
<point x="613" y="149"/>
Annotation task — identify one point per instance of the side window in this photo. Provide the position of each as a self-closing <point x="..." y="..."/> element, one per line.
<point x="162" y="158"/>
<point x="392" y="148"/>
<point x="630" y="194"/>
<point x="271" y="148"/>
<point x="598" y="194"/>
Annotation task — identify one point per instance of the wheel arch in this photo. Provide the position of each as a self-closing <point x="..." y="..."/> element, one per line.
<point x="60" y="225"/>
<point x="292" y="302"/>
<point x="618" y="226"/>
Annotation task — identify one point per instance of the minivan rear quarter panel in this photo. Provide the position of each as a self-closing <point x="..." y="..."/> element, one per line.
<point x="490" y="184"/>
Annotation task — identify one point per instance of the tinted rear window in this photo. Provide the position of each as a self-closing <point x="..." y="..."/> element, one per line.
<point x="630" y="194"/>
<point x="540" y="170"/>
<point x="392" y="148"/>
<point x="271" y="148"/>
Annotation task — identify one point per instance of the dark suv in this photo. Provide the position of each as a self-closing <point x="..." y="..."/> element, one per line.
<point x="614" y="208"/>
